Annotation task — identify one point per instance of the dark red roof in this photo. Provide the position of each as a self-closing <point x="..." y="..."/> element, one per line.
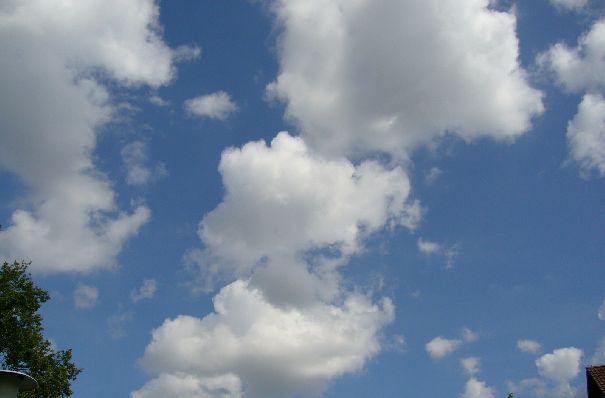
<point x="597" y="373"/>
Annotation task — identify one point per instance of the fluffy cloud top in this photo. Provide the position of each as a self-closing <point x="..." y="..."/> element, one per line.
<point x="273" y="351"/>
<point x="561" y="366"/>
<point x="215" y="106"/>
<point x="288" y="218"/>
<point x="586" y="134"/>
<point x="121" y="37"/>
<point x="477" y="389"/>
<point x="530" y="346"/>
<point x="557" y="370"/>
<point x="85" y="296"/>
<point x="579" y="68"/>
<point x="440" y="347"/>
<point x="387" y="75"/>
<point x="283" y="199"/>
<point x="51" y="109"/>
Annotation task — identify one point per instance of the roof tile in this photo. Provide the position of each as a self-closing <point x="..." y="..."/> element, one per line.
<point x="598" y="375"/>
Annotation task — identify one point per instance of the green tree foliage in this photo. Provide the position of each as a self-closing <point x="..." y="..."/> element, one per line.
<point x="22" y="345"/>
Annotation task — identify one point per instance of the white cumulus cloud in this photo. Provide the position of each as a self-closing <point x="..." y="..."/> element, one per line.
<point x="477" y="389"/>
<point x="284" y="199"/>
<point x="217" y="105"/>
<point x="85" y="296"/>
<point x="274" y="351"/>
<point x="586" y="134"/>
<point x="287" y="325"/>
<point x="561" y="366"/>
<point x="388" y="75"/>
<point x="55" y="57"/>
<point x="440" y="347"/>
<point x="530" y="346"/>
<point x="557" y="370"/>
<point x="580" y="68"/>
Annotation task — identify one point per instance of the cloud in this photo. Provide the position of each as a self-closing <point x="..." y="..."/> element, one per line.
<point x="78" y="33"/>
<point x="477" y="389"/>
<point x="186" y="53"/>
<point x="135" y="157"/>
<point x="214" y="106"/>
<point x="601" y="312"/>
<point x="440" y="347"/>
<point x="158" y="101"/>
<point x="561" y="366"/>
<point x="430" y="248"/>
<point x="187" y="386"/>
<point x="288" y="220"/>
<point x="274" y="351"/>
<point x="145" y="292"/>
<point x="557" y="371"/>
<point x="284" y="200"/>
<point x="471" y="365"/>
<point x="570" y="5"/>
<point x="530" y="346"/>
<point x="56" y="57"/>
<point x="586" y="135"/>
<point x="433" y="175"/>
<point x="85" y="296"/>
<point x="364" y="76"/>
<point x="580" y="68"/>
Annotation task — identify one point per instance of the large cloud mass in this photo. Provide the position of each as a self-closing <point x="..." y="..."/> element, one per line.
<point x="389" y="75"/>
<point x="53" y="53"/>
<point x="273" y="351"/>
<point x="288" y="219"/>
<point x="283" y="200"/>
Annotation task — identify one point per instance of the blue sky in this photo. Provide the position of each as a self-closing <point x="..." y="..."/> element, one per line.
<point x="291" y="198"/>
